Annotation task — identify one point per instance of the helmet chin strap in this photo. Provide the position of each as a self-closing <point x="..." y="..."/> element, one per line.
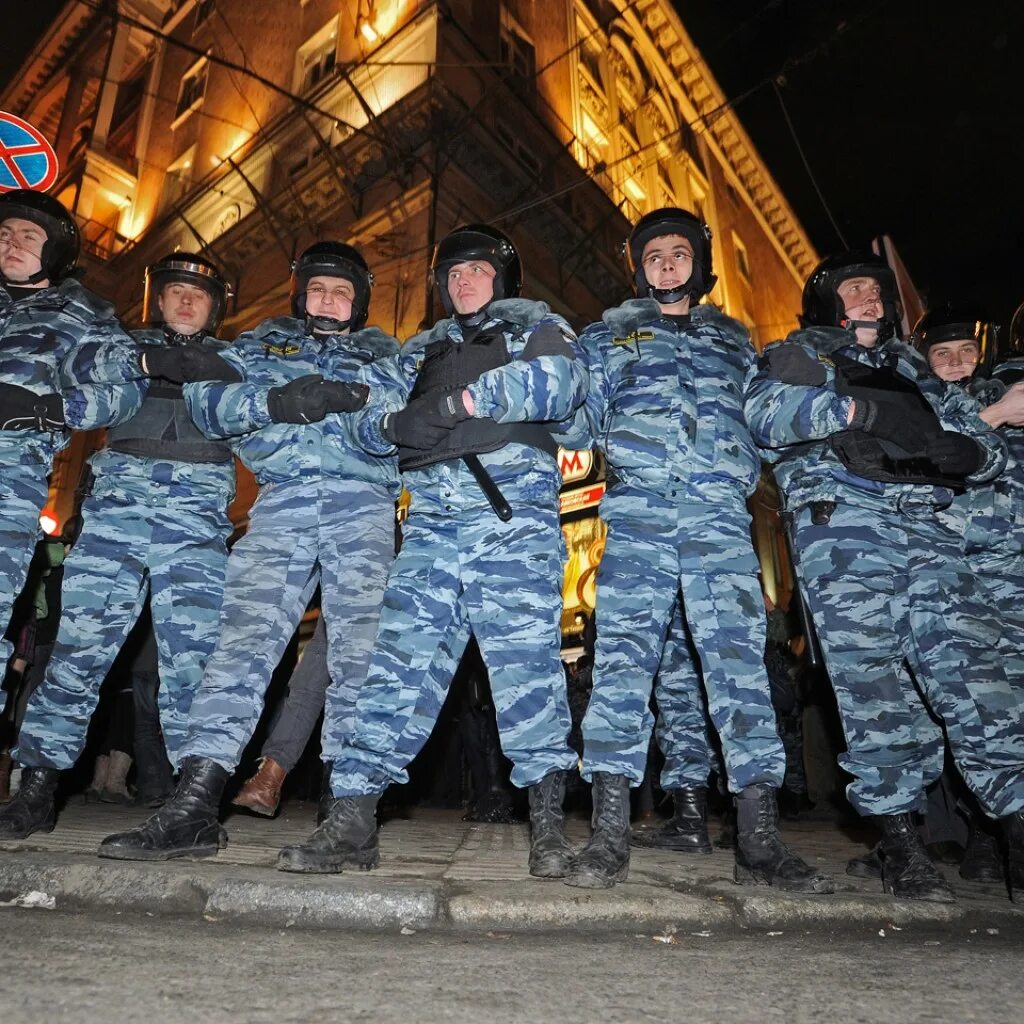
<point x="32" y="279"/>
<point x="884" y="328"/>
<point x="669" y="296"/>
<point x="180" y="338"/>
<point x="471" y="319"/>
<point x="326" y="324"/>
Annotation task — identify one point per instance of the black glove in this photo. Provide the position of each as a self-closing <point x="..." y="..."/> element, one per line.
<point x="903" y="423"/>
<point x="956" y="454"/>
<point x="21" y="409"/>
<point x="186" y="364"/>
<point x="443" y="407"/>
<point x="408" y="429"/>
<point x="342" y="397"/>
<point x="792" y="364"/>
<point x="302" y="400"/>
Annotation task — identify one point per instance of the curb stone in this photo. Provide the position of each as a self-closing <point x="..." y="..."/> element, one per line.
<point x="261" y="896"/>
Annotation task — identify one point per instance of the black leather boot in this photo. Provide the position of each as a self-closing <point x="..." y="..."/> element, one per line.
<point x="605" y="859"/>
<point x="326" y="801"/>
<point x="687" y="830"/>
<point x="32" y="808"/>
<point x="907" y="870"/>
<point x="551" y="856"/>
<point x="982" y="860"/>
<point x="1013" y="829"/>
<point x="347" y="837"/>
<point x="186" y="826"/>
<point x="867" y="866"/>
<point x="762" y="858"/>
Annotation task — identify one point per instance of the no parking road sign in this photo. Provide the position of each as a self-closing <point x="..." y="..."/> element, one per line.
<point x="27" y="160"/>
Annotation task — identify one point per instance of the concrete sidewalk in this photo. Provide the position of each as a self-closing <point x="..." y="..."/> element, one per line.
<point x="440" y="872"/>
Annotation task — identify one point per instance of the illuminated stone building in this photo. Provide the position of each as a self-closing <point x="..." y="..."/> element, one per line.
<point x="249" y="128"/>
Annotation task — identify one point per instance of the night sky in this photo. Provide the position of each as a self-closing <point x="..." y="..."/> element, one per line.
<point x="913" y="125"/>
<point x="912" y="120"/>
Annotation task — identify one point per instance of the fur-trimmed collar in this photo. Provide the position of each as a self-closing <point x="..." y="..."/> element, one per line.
<point x="522" y="312"/>
<point x="71" y="297"/>
<point x="828" y="340"/>
<point x="291" y="327"/>
<point x="633" y="314"/>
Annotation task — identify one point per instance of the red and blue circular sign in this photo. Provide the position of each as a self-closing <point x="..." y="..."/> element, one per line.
<point x="27" y="159"/>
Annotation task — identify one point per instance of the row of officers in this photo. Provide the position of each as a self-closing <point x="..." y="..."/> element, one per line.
<point x="900" y="469"/>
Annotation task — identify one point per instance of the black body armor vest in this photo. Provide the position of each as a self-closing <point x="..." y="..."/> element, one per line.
<point x="163" y="429"/>
<point x="452" y="364"/>
<point x="871" y="457"/>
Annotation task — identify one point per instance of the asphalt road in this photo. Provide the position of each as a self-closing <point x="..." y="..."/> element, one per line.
<point x="108" y="969"/>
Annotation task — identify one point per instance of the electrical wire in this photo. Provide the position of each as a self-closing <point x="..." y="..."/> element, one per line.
<point x="807" y="166"/>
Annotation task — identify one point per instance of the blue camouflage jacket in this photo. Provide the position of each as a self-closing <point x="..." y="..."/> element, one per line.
<point x="116" y="364"/>
<point x="992" y="515"/>
<point x="546" y="388"/>
<point x="667" y="404"/>
<point x="273" y="354"/>
<point x="38" y="334"/>
<point x="783" y="415"/>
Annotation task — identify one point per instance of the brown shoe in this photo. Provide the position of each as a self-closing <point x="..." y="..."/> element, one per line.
<point x="262" y="793"/>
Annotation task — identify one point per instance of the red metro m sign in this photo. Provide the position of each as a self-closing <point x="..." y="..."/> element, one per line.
<point x="27" y="160"/>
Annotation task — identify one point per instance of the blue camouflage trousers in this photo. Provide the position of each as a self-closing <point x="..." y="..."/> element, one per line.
<point x="335" y="532"/>
<point x="661" y="551"/>
<point x="23" y="491"/>
<point x="891" y="588"/>
<point x="681" y="726"/>
<point x="150" y="525"/>
<point x="1001" y="575"/>
<point x="454" y="575"/>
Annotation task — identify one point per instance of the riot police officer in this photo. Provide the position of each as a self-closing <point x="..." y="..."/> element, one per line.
<point x="324" y="515"/>
<point x="482" y="548"/>
<point x="666" y="397"/>
<point x="44" y="313"/>
<point x="962" y="349"/>
<point x="155" y="522"/>
<point x="867" y="446"/>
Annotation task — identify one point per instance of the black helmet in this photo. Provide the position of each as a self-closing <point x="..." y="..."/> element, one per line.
<point x="477" y="242"/>
<point x="824" y="308"/>
<point x="185" y="268"/>
<point x="332" y="259"/>
<point x="953" y="323"/>
<point x="670" y="220"/>
<point x="1013" y="347"/>
<point x="60" y="250"/>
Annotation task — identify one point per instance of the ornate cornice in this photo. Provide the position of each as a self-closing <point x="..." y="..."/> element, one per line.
<point x="659" y="34"/>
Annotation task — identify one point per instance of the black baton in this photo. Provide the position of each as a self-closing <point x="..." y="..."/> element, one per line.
<point x="815" y="658"/>
<point x="501" y="507"/>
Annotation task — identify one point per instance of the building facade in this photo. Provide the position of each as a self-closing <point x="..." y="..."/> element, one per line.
<point x="247" y="129"/>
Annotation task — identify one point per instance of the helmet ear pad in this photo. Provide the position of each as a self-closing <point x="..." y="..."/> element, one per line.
<point x="185" y="268"/>
<point x="477" y="242"/>
<point x="59" y="254"/>
<point x="660" y="224"/>
<point x="333" y="259"/>
<point x="821" y="303"/>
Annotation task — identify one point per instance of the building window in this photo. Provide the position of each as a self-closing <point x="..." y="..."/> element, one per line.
<point x="517" y="52"/>
<point x="178" y="179"/>
<point x="191" y="91"/>
<point x="204" y="8"/>
<point x="316" y="58"/>
<point x="519" y="148"/>
<point x="742" y="261"/>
